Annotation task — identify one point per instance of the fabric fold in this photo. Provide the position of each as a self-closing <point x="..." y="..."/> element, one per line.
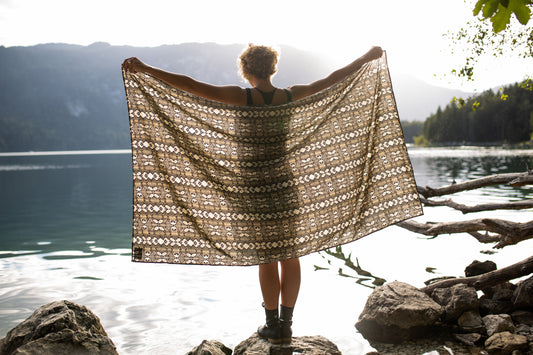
<point x="219" y="184"/>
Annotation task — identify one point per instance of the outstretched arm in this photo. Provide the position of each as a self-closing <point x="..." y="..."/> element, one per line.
<point x="301" y="91"/>
<point x="230" y="94"/>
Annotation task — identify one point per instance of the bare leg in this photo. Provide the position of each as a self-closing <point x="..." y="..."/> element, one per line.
<point x="278" y="326"/>
<point x="290" y="281"/>
<point x="270" y="284"/>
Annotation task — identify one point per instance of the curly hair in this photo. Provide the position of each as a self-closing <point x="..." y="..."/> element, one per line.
<point x="258" y="61"/>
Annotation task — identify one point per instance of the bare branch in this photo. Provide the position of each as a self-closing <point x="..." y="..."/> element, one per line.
<point x="511" y="233"/>
<point x="522" y="268"/>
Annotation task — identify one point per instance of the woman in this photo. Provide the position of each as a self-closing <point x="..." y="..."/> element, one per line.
<point x="258" y="65"/>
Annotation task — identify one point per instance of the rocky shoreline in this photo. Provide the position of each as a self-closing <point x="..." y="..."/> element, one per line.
<point x="397" y="319"/>
<point x="65" y="328"/>
<point x="498" y="321"/>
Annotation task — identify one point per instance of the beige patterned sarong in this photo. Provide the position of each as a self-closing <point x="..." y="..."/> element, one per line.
<point x="219" y="184"/>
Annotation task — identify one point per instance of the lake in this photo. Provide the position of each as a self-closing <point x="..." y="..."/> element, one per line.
<point x="65" y="227"/>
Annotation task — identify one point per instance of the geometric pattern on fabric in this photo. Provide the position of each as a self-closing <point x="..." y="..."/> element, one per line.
<point x="220" y="184"/>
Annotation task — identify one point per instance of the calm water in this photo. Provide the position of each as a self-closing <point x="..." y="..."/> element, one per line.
<point x="65" y="224"/>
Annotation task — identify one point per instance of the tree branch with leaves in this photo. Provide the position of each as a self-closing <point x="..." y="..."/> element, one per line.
<point x="499" y="27"/>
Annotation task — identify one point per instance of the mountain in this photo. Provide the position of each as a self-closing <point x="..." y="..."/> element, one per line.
<point x="416" y="99"/>
<point x="67" y="97"/>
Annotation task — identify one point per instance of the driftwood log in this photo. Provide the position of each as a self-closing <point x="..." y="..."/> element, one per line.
<point x="507" y="233"/>
<point x="489" y="279"/>
<point x="513" y="179"/>
<point x="486" y="230"/>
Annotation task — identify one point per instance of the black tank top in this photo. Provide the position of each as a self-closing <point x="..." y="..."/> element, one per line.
<point x="267" y="96"/>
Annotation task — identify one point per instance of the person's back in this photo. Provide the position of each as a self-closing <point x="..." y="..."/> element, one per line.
<point x="257" y="97"/>
<point x="258" y="65"/>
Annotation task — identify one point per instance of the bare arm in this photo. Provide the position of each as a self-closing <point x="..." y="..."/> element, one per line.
<point x="230" y="94"/>
<point x="301" y="91"/>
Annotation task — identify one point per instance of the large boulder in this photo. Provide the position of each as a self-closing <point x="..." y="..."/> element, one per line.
<point x="307" y="345"/>
<point x="396" y="312"/>
<point x="58" y="328"/>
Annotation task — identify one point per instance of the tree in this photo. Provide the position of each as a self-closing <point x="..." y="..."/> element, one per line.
<point x="499" y="12"/>
<point x="496" y="31"/>
<point x="498" y="118"/>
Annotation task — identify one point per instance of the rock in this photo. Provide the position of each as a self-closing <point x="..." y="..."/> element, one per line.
<point x="523" y="294"/>
<point x="470" y="321"/>
<point x="427" y="346"/>
<point x="524" y="317"/>
<point x="497" y="291"/>
<point x="456" y="300"/>
<point x="505" y="343"/>
<point x="497" y="323"/>
<point x="478" y="268"/>
<point x="396" y="312"/>
<point x="488" y="306"/>
<point x="210" y="347"/>
<point x="468" y="339"/>
<point x="503" y="294"/>
<point x="524" y="330"/>
<point x="308" y="345"/>
<point x="58" y="328"/>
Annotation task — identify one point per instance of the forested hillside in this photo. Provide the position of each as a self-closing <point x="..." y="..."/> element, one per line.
<point x="493" y="117"/>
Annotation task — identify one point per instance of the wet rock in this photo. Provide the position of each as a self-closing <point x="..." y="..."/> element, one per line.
<point x="523" y="295"/>
<point x="478" y="268"/>
<point x="308" y="345"/>
<point x="456" y="300"/>
<point x="396" y="312"/>
<point x="470" y="321"/>
<point x="210" y="347"/>
<point x="57" y="328"/>
<point x="505" y="343"/>
<point x="497" y="323"/>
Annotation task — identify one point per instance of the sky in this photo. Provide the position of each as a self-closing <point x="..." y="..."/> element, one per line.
<point x="411" y="31"/>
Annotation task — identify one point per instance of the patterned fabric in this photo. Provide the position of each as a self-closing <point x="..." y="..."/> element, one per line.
<point x="219" y="184"/>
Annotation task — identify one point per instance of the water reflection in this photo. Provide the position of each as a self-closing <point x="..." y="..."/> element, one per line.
<point x="363" y="277"/>
<point x="75" y="203"/>
<point x="441" y="166"/>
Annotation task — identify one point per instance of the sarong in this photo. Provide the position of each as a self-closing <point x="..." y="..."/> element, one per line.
<point x="220" y="184"/>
